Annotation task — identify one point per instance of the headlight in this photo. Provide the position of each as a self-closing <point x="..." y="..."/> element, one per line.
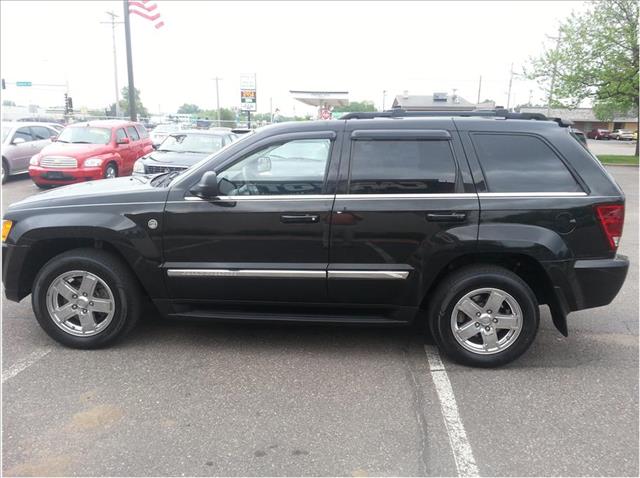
<point x="35" y="160"/>
<point x="6" y="228"/>
<point x="93" y="162"/>
<point x="138" y="167"/>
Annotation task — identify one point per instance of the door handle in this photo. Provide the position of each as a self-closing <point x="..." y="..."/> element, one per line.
<point x="446" y="217"/>
<point x="299" y="219"/>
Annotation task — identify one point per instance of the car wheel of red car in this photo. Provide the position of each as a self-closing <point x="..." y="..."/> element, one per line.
<point x="111" y="171"/>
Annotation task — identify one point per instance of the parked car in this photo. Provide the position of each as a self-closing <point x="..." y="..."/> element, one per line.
<point x="468" y="223"/>
<point x="88" y="151"/>
<point x="20" y="141"/>
<point x="182" y="150"/>
<point x="599" y="134"/>
<point x="160" y="132"/>
<point x="622" y="134"/>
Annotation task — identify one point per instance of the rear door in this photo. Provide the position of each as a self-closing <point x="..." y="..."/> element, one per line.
<point x="405" y="207"/>
<point x="22" y="152"/>
<point x="126" y="152"/>
<point x="136" y="145"/>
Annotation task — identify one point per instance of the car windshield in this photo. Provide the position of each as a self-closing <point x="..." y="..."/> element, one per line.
<point x="5" y="132"/>
<point x="85" y="134"/>
<point x="166" y="128"/>
<point x="192" y="143"/>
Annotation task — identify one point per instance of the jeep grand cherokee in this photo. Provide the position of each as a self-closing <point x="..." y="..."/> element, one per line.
<point x="467" y="221"/>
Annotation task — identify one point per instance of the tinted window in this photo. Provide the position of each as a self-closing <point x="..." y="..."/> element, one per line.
<point x="40" y="132"/>
<point x="143" y="131"/>
<point x="133" y="133"/>
<point x="120" y="134"/>
<point x="402" y="167"/>
<point x="295" y="167"/>
<point x="23" y="133"/>
<point x="520" y="163"/>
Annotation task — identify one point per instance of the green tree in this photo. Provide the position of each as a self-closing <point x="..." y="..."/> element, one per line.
<point x="227" y="116"/>
<point x="124" y="104"/>
<point x="356" y="107"/>
<point x="189" y="108"/>
<point x="595" y="58"/>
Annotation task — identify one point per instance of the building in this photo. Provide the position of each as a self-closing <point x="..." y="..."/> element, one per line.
<point x="585" y="119"/>
<point x="324" y="101"/>
<point x="437" y="102"/>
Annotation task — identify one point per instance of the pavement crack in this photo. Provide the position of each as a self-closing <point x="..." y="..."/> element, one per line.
<point x="418" y="406"/>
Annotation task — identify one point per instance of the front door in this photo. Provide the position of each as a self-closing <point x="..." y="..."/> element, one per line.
<point x="266" y="237"/>
<point x="405" y="207"/>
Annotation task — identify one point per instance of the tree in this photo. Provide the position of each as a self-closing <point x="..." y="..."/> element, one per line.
<point x="189" y="108"/>
<point x="356" y="107"/>
<point x="596" y="58"/>
<point x="227" y="116"/>
<point x="124" y="104"/>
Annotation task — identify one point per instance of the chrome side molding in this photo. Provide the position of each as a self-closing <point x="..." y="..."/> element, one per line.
<point x="289" y="274"/>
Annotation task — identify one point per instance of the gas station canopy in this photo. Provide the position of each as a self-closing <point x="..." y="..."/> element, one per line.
<point x="321" y="99"/>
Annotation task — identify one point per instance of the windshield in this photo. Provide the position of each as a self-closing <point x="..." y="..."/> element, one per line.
<point x="85" y="134"/>
<point x="192" y="143"/>
<point x="5" y="132"/>
<point x="166" y="128"/>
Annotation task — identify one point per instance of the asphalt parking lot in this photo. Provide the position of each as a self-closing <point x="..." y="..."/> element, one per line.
<point x="611" y="147"/>
<point x="204" y="399"/>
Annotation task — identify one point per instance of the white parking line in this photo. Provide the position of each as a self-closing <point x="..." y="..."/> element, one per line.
<point x="24" y="363"/>
<point x="462" y="453"/>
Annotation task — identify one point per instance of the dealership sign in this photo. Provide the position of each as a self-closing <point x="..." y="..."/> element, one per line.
<point x="248" y="92"/>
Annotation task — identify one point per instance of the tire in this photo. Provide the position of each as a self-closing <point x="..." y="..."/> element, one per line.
<point x="498" y="346"/>
<point x="43" y="186"/>
<point x="111" y="171"/>
<point x="115" y="305"/>
<point x="5" y="171"/>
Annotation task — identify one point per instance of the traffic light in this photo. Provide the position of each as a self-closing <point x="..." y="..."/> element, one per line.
<point x="70" y="105"/>
<point x="66" y="104"/>
<point x="4" y="87"/>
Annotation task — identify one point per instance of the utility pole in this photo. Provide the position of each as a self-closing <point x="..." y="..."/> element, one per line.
<point x="510" y="83"/>
<point x="113" y="23"/>
<point x="132" y="89"/>
<point x="553" y="73"/>
<point x="216" y="79"/>
<point x="384" y="99"/>
<point x="479" y="89"/>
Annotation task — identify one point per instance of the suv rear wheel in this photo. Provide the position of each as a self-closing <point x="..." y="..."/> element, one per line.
<point x="86" y="298"/>
<point x="484" y="316"/>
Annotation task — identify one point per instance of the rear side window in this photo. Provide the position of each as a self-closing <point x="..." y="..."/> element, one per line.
<point x="133" y="134"/>
<point x="521" y="163"/>
<point x="144" y="134"/>
<point x="402" y="167"/>
<point x="41" y="132"/>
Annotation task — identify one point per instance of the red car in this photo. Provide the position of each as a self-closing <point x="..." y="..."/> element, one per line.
<point x="93" y="150"/>
<point x="599" y="134"/>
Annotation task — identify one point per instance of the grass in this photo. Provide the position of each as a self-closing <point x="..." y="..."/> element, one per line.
<point x="618" y="159"/>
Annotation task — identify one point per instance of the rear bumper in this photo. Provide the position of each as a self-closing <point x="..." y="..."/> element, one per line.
<point x="585" y="284"/>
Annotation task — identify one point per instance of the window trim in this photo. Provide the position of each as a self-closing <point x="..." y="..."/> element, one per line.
<point x="28" y="128"/>
<point x="576" y="177"/>
<point x="134" y="129"/>
<point x="412" y="136"/>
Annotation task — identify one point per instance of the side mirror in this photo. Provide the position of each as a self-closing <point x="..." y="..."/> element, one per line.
<point x="207" y="187"/>
<point x="264" y="164"/>
<point x="53" y="138"/>
<point x="123" y="141"/>
<point x="18" y="140"/>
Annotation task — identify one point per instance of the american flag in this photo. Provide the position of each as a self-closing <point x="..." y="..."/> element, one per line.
<point x="146" y="9"/>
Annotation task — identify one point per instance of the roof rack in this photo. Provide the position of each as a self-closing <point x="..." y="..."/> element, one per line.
<point x="496" y="113"/>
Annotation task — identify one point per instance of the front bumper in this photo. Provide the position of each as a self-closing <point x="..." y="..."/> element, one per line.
<point x="44" y="176"/>
<point x="13" y="259"/>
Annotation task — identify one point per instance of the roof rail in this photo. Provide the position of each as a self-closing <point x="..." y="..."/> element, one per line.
<point x="496" y="113"/>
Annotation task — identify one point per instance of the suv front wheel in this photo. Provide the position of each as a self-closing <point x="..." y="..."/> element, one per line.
<point x="86" y="298"/>
<point x="484" y="316"/>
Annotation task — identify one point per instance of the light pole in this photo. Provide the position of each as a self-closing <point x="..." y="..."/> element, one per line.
<point x="216" y="79"/>
<point x="113" y="23"/>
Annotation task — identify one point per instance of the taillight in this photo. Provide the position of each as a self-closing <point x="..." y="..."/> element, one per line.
<point x="611" y="217"/>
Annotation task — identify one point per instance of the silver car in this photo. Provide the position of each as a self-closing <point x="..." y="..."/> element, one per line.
<point x="20" y="141"/>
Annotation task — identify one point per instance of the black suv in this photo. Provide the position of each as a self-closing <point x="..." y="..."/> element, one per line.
<point x="467" y="222"/>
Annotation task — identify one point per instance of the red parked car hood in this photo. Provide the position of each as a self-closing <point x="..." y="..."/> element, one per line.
<point x="78" y="151"/>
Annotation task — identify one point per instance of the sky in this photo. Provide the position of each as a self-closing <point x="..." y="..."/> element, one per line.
<point x="364" y="48"/>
